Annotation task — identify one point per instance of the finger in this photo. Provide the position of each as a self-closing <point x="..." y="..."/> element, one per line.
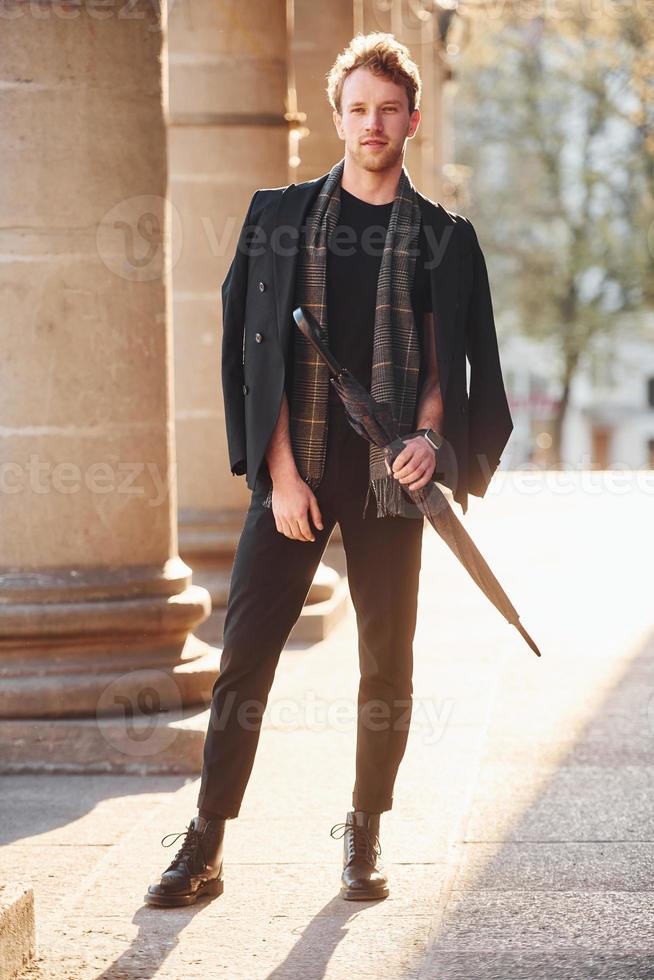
<point x="420" y="483"/>
<point x="410" y="467"/>
<point x="305" y="530"/>
<point x="298" y="525"/>
<point x="292" y="529"/>
<point x="421" y="457"/>
<point x="316" y="516"/>
<point x="402" y="458"/>
<point x="405" y="467"/>
<point x="430" y="469"/>
<point x="415" y="474"/>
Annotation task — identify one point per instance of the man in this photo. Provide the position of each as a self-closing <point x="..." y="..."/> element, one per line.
<point x="400" y="289"/>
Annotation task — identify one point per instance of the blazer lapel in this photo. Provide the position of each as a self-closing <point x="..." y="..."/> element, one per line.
<point x="289" y="216"/>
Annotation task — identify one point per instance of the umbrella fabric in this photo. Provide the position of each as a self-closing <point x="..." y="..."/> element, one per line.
<point x="374" y="422"/>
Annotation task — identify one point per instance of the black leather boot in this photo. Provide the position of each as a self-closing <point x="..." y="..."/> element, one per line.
<point x="361" y="878"/>
<point x="196" y="869"/>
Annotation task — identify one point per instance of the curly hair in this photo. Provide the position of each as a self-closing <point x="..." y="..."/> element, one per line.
<point x="384" y="55"/>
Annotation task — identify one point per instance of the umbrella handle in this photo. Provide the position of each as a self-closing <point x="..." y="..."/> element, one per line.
<point x="310" y="327"/>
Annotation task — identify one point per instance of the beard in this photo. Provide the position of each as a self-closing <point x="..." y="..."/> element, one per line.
<point x="376" y="160"/>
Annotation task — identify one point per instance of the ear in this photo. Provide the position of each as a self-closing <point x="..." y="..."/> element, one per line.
<point x="414" y="122"/>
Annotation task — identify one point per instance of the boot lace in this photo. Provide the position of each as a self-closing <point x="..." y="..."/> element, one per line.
<point x="362" y="843"/>
<point x="190" y="849"/>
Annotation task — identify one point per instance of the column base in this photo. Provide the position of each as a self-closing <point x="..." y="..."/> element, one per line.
<point x="82" y="642"/>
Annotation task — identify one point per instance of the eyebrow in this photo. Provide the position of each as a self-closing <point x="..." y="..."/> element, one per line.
<point x="351" y="105"/>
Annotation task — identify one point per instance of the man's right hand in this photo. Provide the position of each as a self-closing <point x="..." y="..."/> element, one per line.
<point x="293" y="502"/>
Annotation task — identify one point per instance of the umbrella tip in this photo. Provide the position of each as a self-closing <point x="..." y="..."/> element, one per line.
<point x="526" y="636"/>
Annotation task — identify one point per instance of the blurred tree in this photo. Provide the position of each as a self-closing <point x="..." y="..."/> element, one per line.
<point x="555" y="118"/>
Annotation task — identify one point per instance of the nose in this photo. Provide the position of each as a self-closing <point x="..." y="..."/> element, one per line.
<point x="373" y="121"/>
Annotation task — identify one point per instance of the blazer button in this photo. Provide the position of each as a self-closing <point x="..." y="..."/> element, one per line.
<point x="262" y="286"/>
<point x="258" y="337"/>
<point x="245" y="389"/>
<point x="463" y="409"/>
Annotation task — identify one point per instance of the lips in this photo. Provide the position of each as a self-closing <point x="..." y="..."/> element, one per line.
<point x="374" y="143"/>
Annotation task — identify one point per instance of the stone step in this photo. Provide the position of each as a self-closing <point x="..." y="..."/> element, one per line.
<point x="17" y="934"/>
<point x="166" y="742"/>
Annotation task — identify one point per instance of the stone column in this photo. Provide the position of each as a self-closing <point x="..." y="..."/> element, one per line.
<point x="96" y="607"/>
<point x="228" y="136"/>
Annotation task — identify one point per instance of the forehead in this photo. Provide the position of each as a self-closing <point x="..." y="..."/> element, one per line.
<point x="362" y="85"/>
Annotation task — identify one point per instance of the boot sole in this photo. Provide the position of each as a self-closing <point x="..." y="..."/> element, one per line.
<point x="356" y="895"/>
<point x="210" y="889"/>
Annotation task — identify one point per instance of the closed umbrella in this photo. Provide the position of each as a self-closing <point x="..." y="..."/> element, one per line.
<point x="375" y="423"/>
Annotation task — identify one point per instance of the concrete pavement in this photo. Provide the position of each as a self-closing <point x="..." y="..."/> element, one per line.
<point x="520" y="844"/>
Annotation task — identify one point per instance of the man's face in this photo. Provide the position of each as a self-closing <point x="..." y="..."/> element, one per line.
<point x="374" y="121"/>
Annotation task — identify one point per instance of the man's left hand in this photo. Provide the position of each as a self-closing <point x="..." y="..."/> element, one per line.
<point x="415" y="464"/>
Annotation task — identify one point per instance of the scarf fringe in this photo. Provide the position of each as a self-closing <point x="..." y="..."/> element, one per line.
<point x="388" y="494"/>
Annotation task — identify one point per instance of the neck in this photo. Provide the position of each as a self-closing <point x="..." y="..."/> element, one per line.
<point x="369" y="185"/>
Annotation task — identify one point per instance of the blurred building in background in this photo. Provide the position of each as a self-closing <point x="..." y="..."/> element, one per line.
<point x="609" y="422"/>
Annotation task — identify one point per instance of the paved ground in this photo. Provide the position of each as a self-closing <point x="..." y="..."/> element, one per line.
<point x="521" y="841"/>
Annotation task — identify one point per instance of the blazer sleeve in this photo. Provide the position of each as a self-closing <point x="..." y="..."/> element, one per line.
<point x="489" y="419"/>
<point x="234" y="291"/>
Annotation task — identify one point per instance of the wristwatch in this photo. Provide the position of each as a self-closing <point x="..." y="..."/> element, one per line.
<point x="433" y="438"/>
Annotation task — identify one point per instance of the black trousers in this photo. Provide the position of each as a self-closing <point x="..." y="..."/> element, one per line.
<point x="270" y="580"/>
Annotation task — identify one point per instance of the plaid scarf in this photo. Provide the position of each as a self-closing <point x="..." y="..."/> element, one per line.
<point x="396" y="345"/>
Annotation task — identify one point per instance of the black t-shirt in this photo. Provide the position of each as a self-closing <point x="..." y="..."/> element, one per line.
<point x="354" y="257"/>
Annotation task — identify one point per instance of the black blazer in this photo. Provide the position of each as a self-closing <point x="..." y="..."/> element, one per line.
<point x="257" y="298"/>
